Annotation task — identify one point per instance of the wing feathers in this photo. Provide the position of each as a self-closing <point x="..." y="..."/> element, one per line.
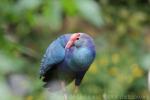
<point x="55" y="53"/>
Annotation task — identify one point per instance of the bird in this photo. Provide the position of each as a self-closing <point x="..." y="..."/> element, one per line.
<point x="67" y="59"/>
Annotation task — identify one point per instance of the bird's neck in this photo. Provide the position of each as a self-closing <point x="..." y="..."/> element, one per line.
<point x="80" y="59"/>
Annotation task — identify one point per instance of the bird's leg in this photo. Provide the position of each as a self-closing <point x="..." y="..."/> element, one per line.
<point x="76" y="89"/>
<point x="64" y="90"/>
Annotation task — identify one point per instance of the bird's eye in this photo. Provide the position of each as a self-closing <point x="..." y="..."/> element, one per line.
<point x="77" y="38"/>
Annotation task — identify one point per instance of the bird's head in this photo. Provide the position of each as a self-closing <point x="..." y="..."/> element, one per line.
<point x="78" y="40"/>
<point x="74" y="37"/>
<point x="82" y="51"/>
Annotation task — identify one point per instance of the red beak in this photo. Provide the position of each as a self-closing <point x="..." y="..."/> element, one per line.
<point x="69" y="44"/>
<point x="72" y="40"/>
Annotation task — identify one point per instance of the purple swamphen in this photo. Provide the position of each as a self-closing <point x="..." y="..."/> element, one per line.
<point x="66" y="59"/>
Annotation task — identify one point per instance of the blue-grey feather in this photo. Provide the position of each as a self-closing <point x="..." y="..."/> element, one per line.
<point x="54" y="54"/>
<point x="72" y="62"/>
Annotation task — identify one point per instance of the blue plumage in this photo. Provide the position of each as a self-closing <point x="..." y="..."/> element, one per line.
<point x="67" y="64"/>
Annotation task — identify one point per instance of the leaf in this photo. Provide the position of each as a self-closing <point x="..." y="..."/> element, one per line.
<point x="90" y="10"/>
<point x="69" y="7"/>
<point x="53" y="14"/>
<point x="27" y="4"/>
<point x="9" y="63"/>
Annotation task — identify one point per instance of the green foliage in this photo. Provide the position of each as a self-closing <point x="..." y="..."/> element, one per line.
<point x="88" y="8"/>
<point x="120" y="29"/>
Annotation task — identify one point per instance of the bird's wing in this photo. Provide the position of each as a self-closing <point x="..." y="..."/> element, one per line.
<point x="55" y="53"/>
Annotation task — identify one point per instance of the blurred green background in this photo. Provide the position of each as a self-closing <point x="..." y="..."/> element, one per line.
<point x="120" y="28"/>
